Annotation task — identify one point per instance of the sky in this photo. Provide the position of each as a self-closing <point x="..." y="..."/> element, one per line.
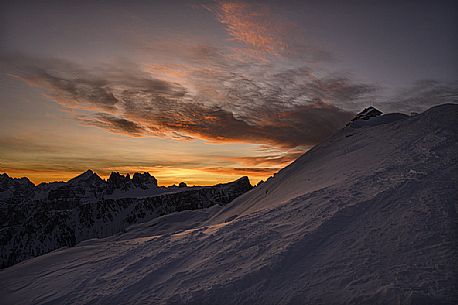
<point x="208" y="91"/>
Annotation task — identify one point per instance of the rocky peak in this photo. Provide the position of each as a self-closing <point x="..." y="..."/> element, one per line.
<point x="118" y="181"/>
<point x="243" y="181"/>
<point x="6" y="182"/>
<point x="367" y="113"/>
<point x="83" y="187"/>
<point x="240" y="185"/>
<point x="182" y="184"/>
<point x="88" y="177"/>
<point x="144" y="180"/>
<point x="15" y="189"/>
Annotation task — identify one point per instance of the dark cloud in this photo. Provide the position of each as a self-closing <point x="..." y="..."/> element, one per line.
<point x="224" y="102"/>
<point x="114" y="124"/>
<point x="63" y="81"/>
<point x="287" y="127"/>
<point x="98" y="88"/>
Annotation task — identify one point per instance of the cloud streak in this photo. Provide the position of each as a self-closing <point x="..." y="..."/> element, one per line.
<point x="114" y="124"/>
<point x="422" y="95"/>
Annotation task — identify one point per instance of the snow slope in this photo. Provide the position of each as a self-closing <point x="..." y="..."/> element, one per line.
<point x="366" y="217"/>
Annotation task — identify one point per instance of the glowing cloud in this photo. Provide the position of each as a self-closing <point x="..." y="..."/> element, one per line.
<point x="253" y="25"/>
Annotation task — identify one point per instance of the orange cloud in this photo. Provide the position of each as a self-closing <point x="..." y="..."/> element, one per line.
<point x="245" y="25"/>
<point x="253" y="25"/>
<point x="261" y="30"/>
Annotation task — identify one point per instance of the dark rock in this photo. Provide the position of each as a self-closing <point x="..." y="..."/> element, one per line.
<point x="379" y="120"/>
<point x="260" y="182"/>
<point x="84" y="187"/>
<point x="88" y="178"/>
<point x="118" y="181"/>
<point x="63" y="219"/>
<point x="366" y="114"/>
<point x="15" y="189"/>
<point x="144" y="180"/>
<point x="6" y="182"/>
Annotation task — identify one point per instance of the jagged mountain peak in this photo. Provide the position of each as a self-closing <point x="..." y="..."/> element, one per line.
<point x="145" y="180"/>
<point x="139" y="180"/>
<point x="244" y="179"/>
<point x="367" y="113"/>
<point x="87" y="176"/>
<point x="6" y="182"/>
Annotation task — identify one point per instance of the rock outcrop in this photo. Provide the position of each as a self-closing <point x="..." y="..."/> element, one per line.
<point x="20" y="188"/>
<point x="366" y="114"/>
<point x="144" y="181"/>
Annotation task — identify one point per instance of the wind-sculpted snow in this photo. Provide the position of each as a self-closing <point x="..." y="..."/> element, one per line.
<point x="367" y="217"/>
<point x="37" y="227"/>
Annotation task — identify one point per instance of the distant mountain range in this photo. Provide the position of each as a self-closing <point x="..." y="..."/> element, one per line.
<point x="38" y="219"/>
<point x="86" y="187"/>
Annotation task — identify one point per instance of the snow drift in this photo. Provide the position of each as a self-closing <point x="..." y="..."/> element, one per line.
<point x="366" y="217"/>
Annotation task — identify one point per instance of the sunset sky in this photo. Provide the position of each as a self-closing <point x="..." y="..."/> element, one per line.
<point x="207" y="91"/>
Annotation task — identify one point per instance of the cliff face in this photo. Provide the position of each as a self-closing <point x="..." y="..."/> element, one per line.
<point x="36" y="227"/>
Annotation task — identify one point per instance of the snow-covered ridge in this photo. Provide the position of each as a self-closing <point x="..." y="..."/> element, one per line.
<point x="84" y="188"/>
<point x="87" y="207"/>
<point x="366" y="217"/>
